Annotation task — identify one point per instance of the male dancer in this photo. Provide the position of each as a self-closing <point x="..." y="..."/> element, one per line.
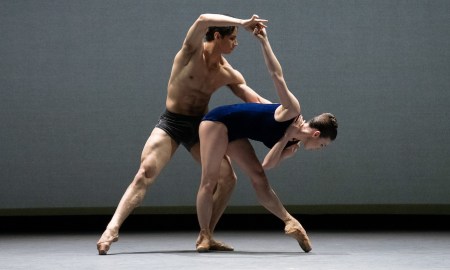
<point x="198" y="70"/>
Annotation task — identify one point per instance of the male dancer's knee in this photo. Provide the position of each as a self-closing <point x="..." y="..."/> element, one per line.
<point x="145" y="176"/>
<point x="260" y="182"/>
<point x="227" y="182"/>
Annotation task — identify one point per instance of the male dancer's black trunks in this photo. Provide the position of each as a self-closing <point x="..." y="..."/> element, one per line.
<point x="182" y="128"/>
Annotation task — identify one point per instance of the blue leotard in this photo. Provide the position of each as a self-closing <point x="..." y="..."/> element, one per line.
<point x="254" y="121"/>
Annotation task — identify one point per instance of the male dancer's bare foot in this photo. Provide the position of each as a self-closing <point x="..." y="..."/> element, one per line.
<point x="105" y="242"/>
<point x="294" y="229"/>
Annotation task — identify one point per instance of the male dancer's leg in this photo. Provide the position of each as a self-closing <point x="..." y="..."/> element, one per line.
<point x="157" y="152"/>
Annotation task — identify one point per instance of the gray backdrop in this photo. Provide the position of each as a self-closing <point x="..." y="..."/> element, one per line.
<point x="84" y="82"/>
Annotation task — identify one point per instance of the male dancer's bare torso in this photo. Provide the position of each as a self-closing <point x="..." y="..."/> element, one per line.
<point x="195" y="77"/>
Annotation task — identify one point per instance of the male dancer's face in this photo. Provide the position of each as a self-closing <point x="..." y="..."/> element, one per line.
<point x="229" y="42"/>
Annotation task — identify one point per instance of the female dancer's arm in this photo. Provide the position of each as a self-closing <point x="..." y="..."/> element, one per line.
<point x="279" y="151"/>
<point x="290" y="106"/>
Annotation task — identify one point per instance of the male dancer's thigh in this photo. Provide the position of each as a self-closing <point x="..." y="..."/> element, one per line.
<point x="157" y="152"/>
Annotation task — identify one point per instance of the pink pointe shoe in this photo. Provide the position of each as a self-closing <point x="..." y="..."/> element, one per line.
<point x="203" y="241"/>
<point x="219" y="246"/>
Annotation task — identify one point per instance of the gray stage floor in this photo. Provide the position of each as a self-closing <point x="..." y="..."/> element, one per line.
<point x="253" y="250"/>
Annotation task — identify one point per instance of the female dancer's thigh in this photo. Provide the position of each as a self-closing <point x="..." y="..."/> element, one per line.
<point x="242" y="153"/>
<point x="213" y="146"/>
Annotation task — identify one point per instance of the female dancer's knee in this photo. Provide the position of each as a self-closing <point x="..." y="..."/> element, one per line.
<point x="208" y="184"/>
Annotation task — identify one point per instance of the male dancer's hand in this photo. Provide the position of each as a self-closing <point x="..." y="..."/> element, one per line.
<point x="253" y="22"/>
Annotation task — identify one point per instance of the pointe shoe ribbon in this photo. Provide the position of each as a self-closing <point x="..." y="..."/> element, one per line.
<point x="299" y="234"/>
<point x="104" y="245"/>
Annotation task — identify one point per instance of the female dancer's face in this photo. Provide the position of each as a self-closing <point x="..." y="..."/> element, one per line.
<point x="316" y="143"/>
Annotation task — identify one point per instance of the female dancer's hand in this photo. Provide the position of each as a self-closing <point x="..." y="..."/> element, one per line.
<point x="260" y="31"/>
<point x="294" y="129"/>
<point x="291" y="150"/>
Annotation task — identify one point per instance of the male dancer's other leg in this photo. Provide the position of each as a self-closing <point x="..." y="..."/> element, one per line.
<point x="157" y="152"/>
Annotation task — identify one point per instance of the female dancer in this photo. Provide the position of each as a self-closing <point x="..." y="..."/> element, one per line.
<point x="226" y="130"/>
